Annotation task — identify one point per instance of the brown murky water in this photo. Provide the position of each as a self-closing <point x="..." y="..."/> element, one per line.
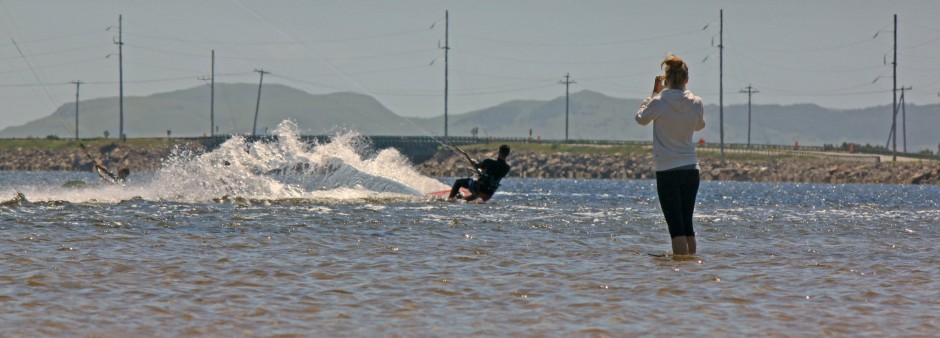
<point x="545" y="258"/>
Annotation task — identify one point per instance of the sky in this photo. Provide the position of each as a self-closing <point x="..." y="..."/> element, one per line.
<point x="836" y="54"/>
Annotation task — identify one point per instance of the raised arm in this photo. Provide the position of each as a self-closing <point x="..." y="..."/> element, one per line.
<point x="701" y="116"/>
<point x="646" y="112"/>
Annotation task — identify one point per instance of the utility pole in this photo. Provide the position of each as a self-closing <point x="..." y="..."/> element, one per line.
<point x="749" y="90"/>
<point x="446" y="50"/>
<point x="567" y="82"/>
<point x="721" y="82"/>
<point x="77" y="84"/>
<point x="120" y="43"/>
<point x="904" y="115"/>
<point x="211" y="80"/>
<point x="894" y="105"/>
<point x="254" y="126"/>
<point x="212" y="98"/>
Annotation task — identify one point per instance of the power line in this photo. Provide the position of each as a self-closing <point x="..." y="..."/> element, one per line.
<point x="54" y="65"/>
<point x="65" y="36"/>
<point x="808" y="50"/>
<point x="35" y="74"/>
<point x="52" y="52"/>
<point x="276" y="43"/>
<point x="305" y="82"/>
<point x="38" y="79"/>
<point x="595" y="62"/>
<point x="154" y="66"/>
<point x="502" y="77"/>
<point x="462" y="93"/>
<point x="307" y="59"/>
<point x="582" y="44"/>
<point x="815" y="94"/>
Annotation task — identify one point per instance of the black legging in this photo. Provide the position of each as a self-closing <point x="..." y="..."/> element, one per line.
<point x="461" y="183"/>
<point x="677" y="190"/>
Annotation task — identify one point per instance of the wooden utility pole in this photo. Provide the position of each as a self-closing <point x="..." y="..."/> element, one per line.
<point x="212" y="97"/>
<point x="567" y="82"/>
<point x="211" y="80"/>
<point x="904" y="115"/>
<point x="120" y="43"/>
<point x="254" y="126"/>
<point x="749" y="90"/>
<point x="721" y="83"/>
<point x="894" y="91"/>
<point x="77" y="85"/>
<point x="446" y="51"/>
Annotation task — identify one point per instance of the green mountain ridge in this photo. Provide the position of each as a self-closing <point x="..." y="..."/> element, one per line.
<point x="592" y="115"/>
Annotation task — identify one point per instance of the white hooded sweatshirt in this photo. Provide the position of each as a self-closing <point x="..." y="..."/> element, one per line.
<point x="676" y="115"/>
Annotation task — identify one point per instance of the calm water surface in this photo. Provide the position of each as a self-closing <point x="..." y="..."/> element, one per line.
<point x="544" y="258"/>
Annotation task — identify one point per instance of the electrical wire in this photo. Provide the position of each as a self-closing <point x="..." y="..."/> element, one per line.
<point x="580" y="44"/>
<point x="55" y="65"/>
<point x="58" y="37"/>
<point x="52" y="52"/>
<point x="328" y="64"/>
<point x="287" y="43"/>
<point x="807" y="50"/>
<point x="576" y="63"/>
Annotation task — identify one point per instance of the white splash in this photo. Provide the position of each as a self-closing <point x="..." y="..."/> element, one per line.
<point x="344" y="169"/>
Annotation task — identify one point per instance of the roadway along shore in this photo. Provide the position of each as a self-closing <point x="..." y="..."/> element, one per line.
<point x="527" y="160"/>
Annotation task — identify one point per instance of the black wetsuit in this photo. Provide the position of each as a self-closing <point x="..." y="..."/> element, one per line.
<point x="492" y="172"/>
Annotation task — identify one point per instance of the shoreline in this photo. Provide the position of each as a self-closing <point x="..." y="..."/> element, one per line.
<point x="794" y="169"/>
<point x="527" y="162"/>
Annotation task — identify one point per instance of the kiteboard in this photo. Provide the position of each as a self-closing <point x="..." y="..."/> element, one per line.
<point x="443" y="194"/>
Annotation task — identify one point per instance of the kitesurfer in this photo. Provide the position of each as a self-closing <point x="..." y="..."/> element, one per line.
<point x="490" y="173"/>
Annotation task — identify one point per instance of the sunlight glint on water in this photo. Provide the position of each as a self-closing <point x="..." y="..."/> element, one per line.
<point x="346" y="246"/>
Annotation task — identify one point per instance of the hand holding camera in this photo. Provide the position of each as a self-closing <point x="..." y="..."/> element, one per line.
<point x="658" y="84"/>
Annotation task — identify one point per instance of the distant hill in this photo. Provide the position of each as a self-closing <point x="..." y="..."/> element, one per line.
<point x="186" y="113"/>
<point x="592" y="115"/>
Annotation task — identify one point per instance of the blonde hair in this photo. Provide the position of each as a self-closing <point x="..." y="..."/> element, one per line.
<point x="677" y="72"/>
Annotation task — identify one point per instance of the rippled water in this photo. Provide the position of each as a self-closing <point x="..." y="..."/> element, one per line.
<point x="543" y="258"/>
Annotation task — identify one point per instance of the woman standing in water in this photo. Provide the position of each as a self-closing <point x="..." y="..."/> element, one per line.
<point x="676" y="113"/>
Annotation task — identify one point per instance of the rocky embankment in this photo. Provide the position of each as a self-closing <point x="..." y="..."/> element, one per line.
<point x="113" y="155"/>
<point x="640" y="166"/>
<point x="445" y="163"/>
